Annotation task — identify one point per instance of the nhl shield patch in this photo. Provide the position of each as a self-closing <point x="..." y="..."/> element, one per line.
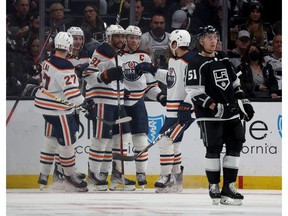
<point x="221" y="78"/>
<point x="155" y="124"/>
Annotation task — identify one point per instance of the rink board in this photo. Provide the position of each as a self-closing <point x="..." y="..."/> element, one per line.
<point x="260" y="164"/>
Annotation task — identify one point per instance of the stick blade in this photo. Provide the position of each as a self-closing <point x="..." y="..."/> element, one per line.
<point x="123" y="158"/>
<point x="123" y="120"/>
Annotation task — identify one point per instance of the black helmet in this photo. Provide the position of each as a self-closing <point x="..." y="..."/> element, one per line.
<point x="255" y="5"/>
<point x="206" y="30"/>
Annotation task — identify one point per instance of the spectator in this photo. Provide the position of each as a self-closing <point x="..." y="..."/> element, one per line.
<point x="180" y="20"/>
<point x="140" y="21"/>
<point x="242" y="42"/>
<point x="260" y="32"/>
<point x="34" y="26"/>
<point x="156" y="40"/>
<point x="90" y="43"/>
<point x="275" y="60"/>
<point x="93" y="22"/>
<point x="257" y="79"/>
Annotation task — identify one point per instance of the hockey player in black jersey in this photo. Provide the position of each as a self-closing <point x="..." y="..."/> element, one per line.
<point x="215" y="90"/>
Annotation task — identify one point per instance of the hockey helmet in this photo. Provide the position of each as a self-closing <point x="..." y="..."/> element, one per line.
<point x="133" y="30"/>
<point x="114" y="29"/>
<point x="77" y="31"/>
<point x="181" y="37"/>
<point x="64" y="41"/>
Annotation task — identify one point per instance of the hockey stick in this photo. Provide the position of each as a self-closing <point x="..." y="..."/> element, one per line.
<point x="65" y="102"/>
<point x="64" y="21"/>
<point x="132" y="158"/>
<point x="119" y="12"/>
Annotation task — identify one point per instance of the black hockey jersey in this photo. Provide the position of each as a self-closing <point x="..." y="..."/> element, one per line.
<point x="211" y="80"/>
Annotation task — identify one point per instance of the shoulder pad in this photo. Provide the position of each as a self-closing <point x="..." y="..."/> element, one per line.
<point x="61" y="63"/>
<point x="106" y="50"/>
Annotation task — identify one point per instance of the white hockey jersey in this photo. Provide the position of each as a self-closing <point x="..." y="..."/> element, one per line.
<point x="174" y="78"/>
<point x="135" y="84"/>
<point x="58" y="77"/>
<point x="103" y="58"/>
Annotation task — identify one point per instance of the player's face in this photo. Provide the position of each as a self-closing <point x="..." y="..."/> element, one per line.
<point x="133" y="42"/>
<point x="209" y="42"/>
<point x="117" y="41"/>
<point x="77" y="42"/>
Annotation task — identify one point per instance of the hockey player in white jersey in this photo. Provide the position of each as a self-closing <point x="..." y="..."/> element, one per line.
<point x="102" y="76"/>
<point x="59" y="78"/>
<point x="178" y="109"/>
<point x="80" y="60"/>
<point x="135" y="88"/>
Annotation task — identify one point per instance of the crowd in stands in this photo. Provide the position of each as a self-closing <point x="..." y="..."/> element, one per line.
<point x="254" y="37"/>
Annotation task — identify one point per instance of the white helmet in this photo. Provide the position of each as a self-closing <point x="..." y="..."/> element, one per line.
<point x="64" y="40"/>
<point x="133" y="30"/>
<point x="182" y="38"/>
<point x="77" y="31"/>
<point x="114" y="29"/>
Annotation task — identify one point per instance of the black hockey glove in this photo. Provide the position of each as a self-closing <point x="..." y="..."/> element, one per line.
<point x="145" y="67"/>
<point x="224" y="110"/>
<point x="80" y="68"/>
<point x="126" y="94"/>
<point x="162" y="99"/>
<point x="184" y="113"/>
<point x="88" y="105"/>
<point x="35" y="70"/>
<point x="111" y="74"/>
<point x="246" y="110"/>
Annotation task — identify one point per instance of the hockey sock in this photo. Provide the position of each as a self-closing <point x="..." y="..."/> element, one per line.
<point x="140" y="141"/>
<point x="166" y="155"/>
<point x="67" y="159"/>
<point x="107" y="160"/>
<point x="213" y="169"/>
<point x="57" y="161"/>
<point x="230" y="168"/>
<point x="177" y="158"/>
<point x="116" y="147"/>
<point x="47" y="154"/>
<point x="96" y="153"/>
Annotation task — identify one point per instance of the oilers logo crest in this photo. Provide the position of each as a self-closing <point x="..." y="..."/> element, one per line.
<point x="171" y="78"/>
<point x="129" y="71"/>
<point x="155" y="123"/>
<point x="221" y="78"/>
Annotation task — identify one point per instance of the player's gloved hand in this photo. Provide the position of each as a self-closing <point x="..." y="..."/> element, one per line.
<point x="80" y="68"/>
<point x="88" y="105"/>
<point x="126" y="94"/>
<point x="145" y="67"/>
<point x="224" y="110"/>
<point x="162" y="99"/>
<point x="35" y="70"/>
<point x="184" y="113"/>
<point x="248" y="108"/>
<point x="111" y="74"/>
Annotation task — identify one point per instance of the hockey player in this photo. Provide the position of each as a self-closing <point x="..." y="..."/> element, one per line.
<point x="102" y="77"/>
<point x="215" y="90"/>
<point x="178" y="109"/>
<point x="80" y="60"/>
<point x="59" y="78"/>
<point x="135" y="88"/>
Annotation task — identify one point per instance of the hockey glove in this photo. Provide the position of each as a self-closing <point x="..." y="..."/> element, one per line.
<point x="126" y="94"/>
<point x="145" y="67"/>
<point x="88" y="105"/>
<point x="224" y="110"/>
<point x="80" y="68"/>
<point x="35" y="70"/>
<point x="162" y="99"/>
<point x="246" y="110"/>
<point x="184" y="113"/>
<point x="111" y="74"/>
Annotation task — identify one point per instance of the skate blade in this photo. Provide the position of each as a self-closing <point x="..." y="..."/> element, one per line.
<point x="175" y="189"/>
<point x="162" y="190"/>
<point x="229" y="201"/>
<point x="42" y="187"/>
<point x="215" y="201"/>
<point x="72" y="188"/>
<point x="119" y="187"/>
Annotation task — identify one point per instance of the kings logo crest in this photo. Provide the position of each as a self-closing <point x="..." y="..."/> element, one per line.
<point x="221" y="78"/>
<point x="155" y="123"/>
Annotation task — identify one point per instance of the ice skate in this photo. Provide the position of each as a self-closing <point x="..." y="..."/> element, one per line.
<point x="43" y="180"/>
<point x="176" y="185"/>
<point x="58" y="177"/>
<point x="98" y="180"/>
<point x="230" y="196"/>
<point x="141" y="179"/>
<point x="214" y="193"/>
<point x="74" y="183"/>
<point x="116" y="181"/>
<point x="163" y="184"/>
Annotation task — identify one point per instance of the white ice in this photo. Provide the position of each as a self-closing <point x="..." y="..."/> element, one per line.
<point x="28" y="202"/>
